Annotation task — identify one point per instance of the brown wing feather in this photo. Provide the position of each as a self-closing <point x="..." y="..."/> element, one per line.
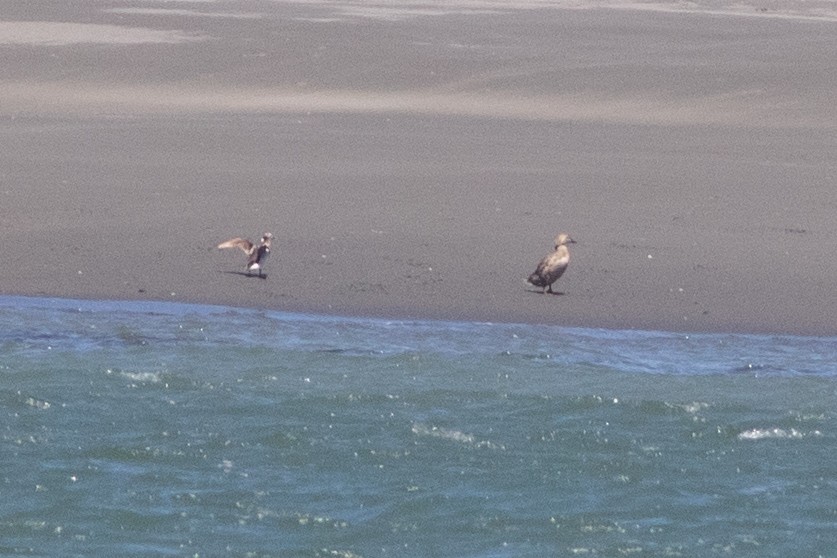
<point x="542" y="265"/>
<point x="242" y="243"/>
<point x="551" y="267"/>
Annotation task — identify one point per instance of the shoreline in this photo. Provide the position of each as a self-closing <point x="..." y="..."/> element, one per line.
<point x="141" y="306"/>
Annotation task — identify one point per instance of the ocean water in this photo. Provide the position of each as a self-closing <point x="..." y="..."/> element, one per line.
<point x="152" y="429"/>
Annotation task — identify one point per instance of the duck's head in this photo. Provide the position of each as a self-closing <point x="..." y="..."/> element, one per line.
<point x="563" y="239"/>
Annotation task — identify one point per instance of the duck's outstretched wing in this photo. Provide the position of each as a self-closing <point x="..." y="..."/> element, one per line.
<point x="242" y="243"/>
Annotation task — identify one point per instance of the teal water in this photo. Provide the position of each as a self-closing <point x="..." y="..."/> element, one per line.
<point x="151" y="429"/>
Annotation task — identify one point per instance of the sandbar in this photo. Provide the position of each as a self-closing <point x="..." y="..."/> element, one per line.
<point x="415" y="162"/>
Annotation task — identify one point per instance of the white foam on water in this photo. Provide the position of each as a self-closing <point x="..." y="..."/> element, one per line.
<point x="452" y="436"/>
<point x="774" y="433"/>
<point x="142" y="377"/>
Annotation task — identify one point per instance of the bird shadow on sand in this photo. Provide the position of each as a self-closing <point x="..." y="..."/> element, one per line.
<point x="553" y="293"/>
<point x="245" y="274"/>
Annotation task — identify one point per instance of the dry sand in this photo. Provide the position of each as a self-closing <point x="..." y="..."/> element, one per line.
<point x="416" y="162"/>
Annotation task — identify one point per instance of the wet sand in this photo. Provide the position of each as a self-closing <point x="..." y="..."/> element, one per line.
<point x="419" y="164"/>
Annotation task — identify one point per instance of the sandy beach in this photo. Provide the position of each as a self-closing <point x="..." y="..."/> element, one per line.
<point x="414" y="161"/>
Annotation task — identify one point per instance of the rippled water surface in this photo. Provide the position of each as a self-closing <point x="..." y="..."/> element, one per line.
<point x="155" y="429"/>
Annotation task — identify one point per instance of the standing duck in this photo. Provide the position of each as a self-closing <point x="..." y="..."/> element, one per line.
<point x="553" y="265"/>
